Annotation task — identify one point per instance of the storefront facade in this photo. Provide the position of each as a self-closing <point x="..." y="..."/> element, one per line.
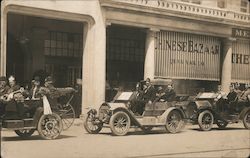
<point x="192" y="45"/>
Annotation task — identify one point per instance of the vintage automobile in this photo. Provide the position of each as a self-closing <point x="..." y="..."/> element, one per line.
<point x="48" y="124"/>
<point x="119" y="116"/>
<point x="203" y="109"/>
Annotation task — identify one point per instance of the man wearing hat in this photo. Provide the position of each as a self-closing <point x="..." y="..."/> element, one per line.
<point x="13" y="86"/>
<point x="245" y="94"/>
<point x="34" y="91"/>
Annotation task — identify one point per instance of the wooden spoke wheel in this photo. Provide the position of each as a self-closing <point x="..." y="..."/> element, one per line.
<point x="92" y="125"/>
<point x="206" y="120"/>
<point x="120" y="123"/>
<point x="67" y="113"/>
<point x="174" y="122"/>
<point x="49" y="126"/>
<point x="246" y="120"/>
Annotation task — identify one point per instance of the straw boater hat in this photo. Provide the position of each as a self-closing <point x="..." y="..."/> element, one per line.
<point x="11" y="79"/>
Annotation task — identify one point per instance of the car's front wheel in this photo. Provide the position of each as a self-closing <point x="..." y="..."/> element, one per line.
<point x="120" y="123"/>
<point x="92" y="125"/>
<point x="206" y="120"/>
<point x="246" y="120"/>
<point x="174" y="122"/>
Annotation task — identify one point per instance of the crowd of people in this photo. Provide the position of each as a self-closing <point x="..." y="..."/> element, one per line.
<point x="12" y="95"/>
<point x="146" y="93"/>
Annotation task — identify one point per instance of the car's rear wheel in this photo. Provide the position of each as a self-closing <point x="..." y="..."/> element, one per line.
<point x="174" y="122"/>
<point x="120" y="123"/>
<point x="221" y="124"/>
<point x="50" y="126"/>
<point x="246" y="120"/>
<point x="25" y="132"/>
<point x="206" y="120"/>
<point x="92" y="125"/>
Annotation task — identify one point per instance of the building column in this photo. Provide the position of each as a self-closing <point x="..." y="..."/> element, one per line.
<point x="149" y="64"/>
<point x="226" y="65"/>
<point x="3" y="41"/>
<point x="94" y="67"/>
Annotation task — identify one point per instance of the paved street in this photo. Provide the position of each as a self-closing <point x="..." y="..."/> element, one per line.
<point x="74" y="143"/>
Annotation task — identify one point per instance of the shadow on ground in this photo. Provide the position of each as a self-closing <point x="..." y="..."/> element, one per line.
<point x="35" y="137"/>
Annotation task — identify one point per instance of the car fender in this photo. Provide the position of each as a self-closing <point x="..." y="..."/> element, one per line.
<point x="134" y="121"/>
<point x="243" y="112"/>
<point x="165" y="114"/>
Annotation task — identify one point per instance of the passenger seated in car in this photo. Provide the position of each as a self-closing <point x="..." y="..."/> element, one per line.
<point x="231" y="98"/>
<point x="244" y="95"/>
<point x="136" y="104"/>
<point x="221" y="99"/>
<point x="14" y="106"/>
<point x="169" y="94"/>
<point x="149" y="92"/>
<point x="3" y="94"/>
<point x="159" y="94"/>
<point x="232" y="95"/>
<point x="34" y="91"/>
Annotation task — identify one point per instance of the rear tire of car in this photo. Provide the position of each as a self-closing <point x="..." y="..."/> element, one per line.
<point x="206" y="120"/>
<point x="174" y="122"/>
<point x="24" y="133"/>
<point x="90" y="127"/>
<point x="50" y="126"/>
<point x="120" y="123"/>
<point x="246" y="120"/>
<point x="221" y="124"/>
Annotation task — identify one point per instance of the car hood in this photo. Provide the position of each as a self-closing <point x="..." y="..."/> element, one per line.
<point x="117" y="105"/>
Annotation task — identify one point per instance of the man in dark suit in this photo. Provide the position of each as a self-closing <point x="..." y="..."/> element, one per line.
<point x="136" y="104"/>
<point x="34" y="95"/>
<point x="149" y="92"/>
<point x="169" y="94"/>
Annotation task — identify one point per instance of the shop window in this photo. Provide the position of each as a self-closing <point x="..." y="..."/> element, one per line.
<point x="125" y="50"/>
<point x="63" y="44"/>
<point x="221" y="3"/>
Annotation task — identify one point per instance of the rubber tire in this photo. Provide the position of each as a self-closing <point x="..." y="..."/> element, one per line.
<point x="201" y="115"/>
<point x="169" y="130"/>
<point x="112" y="127"/>
<point x="25" y="135"/>
<point x="86" y="127"/>
<point x="244" y="120"/>
<point x="40" y="130"/>
<point x="222" y="126"/>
